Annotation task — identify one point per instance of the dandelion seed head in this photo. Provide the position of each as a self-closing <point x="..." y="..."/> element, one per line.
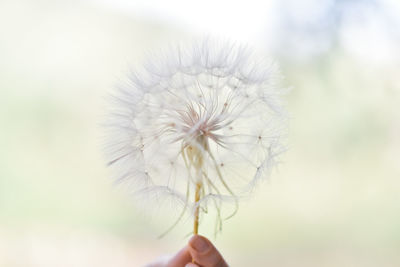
<point x="207" y="113"/>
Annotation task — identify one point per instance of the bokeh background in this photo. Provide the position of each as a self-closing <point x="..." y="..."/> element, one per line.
<point x="333" y="201"/>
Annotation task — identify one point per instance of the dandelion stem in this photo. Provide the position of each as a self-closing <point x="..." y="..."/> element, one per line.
<point x="197" y="210"/>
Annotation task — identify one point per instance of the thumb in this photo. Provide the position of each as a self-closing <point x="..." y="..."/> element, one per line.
<point x="204" y="253"/>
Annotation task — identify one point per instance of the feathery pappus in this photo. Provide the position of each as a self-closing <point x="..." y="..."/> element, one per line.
<point x="200" y="123"/>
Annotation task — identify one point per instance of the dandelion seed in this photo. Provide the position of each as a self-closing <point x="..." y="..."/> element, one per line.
<point x="201" y="125"/>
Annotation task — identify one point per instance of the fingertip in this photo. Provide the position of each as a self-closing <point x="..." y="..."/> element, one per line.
<point x="191" y="265"/>
<point x="200" y="243"/>
<point x="204" y="253"/>
<point x="181" y="258"/>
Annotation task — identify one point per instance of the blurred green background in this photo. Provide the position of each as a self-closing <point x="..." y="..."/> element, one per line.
<point x="334" y="200"/>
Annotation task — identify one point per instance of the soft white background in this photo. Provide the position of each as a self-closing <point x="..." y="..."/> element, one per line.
<point x="334" y="200"/>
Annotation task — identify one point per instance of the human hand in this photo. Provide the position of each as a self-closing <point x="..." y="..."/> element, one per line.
<point x="199" y="249"/>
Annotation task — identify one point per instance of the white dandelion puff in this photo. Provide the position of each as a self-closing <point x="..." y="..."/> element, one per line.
<point x="201" y="124"/>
